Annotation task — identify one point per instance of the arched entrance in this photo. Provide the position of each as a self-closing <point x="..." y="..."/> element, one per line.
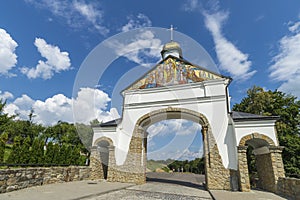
<point x="217" y="177"/>
<point x="177" y="89"/>
<point x="268" y="161"/>
<point x="174" y="149"/>
<point x="102" y="156"/>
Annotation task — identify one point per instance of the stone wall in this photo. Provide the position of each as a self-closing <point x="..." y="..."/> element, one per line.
<point x="244" y="182"/>
<point x="289" y="187"/>
<point x="15" y="179"/>
<point x="217" y="176"/>
<point x="265" y="172"/>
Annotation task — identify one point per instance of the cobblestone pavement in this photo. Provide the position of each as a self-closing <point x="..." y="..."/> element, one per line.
<point x="140" y="195"/>
<point x="162" y="186"/>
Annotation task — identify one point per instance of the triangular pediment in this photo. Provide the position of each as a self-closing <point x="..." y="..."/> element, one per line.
<point x="173" y="71"/>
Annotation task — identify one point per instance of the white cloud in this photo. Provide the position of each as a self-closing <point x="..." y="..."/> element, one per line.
<point x="173" y="126"/>
<point x="181" y="134"/>
<point x="144" y="46"/>
<point x="6" y="95"/>
<point x="20" y="107"/>
<point x="286" y="64"/>
<point x="88" y="105"/>
<point x="179" y="154"/>
<point x="191" y="5"/>
<point x="8" y="57"/>
<point x="139" y="21"/>
<point x="231" y="59"/>
<point x="291" y="86"/>
<point x="56" y="61"/>
<point x="189" y="155"/>
<point x="77" y="13"/>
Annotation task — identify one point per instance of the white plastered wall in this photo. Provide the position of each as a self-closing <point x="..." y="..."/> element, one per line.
<point x="265" y="127"/>
<point x="208" y="98"/>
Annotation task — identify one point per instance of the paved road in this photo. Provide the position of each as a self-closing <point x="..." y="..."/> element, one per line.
<point x="158" y="186"/>
<point x="162" y="186"/>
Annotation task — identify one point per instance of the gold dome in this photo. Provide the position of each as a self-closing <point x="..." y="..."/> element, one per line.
<point x="171" y="47"/>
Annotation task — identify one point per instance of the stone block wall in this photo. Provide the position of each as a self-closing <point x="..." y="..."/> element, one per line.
<point x="20" y="178"/>
<point x="244" y="182"/>
<point x="265" y="172"/>
<point x="289" y="187"/>
<point x="217" y="176"/>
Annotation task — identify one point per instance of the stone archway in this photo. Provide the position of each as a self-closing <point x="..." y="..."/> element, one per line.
<point x="134" y="168"/>
<point x="268" y="161"/>
<point x="102" y="157"/>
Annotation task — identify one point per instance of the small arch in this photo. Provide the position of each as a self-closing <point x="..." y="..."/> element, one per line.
<point x="103" y="144"/>
<point x="258" y="170"/>
<point x="257" y="137"/>
<point x="104" y="139"/>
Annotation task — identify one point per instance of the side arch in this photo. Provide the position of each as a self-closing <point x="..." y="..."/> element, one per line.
<point x="104" y="138"/>
<point x="102" y="158"/>
<point x="256" y="136"/>
<point x="268" y="162"/>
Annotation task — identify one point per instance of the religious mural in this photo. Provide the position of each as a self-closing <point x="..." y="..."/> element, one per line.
<point x="173" y="71"/>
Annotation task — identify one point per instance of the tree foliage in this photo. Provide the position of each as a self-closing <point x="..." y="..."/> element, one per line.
<point x="286" y="107"/>
<point x="195" y="166"/>
<point x="36" y="144"/>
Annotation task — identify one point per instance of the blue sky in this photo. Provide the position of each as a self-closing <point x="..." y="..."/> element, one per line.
<point x="43" y="44"/>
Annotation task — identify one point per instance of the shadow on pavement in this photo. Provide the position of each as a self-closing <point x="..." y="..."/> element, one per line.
<point x="188" y="180"/>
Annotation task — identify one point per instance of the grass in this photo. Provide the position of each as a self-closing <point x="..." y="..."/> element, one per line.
<point x="152" y="165"/>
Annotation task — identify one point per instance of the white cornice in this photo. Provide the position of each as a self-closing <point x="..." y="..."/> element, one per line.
<point x="104" y="129"/>
<point x="177" y="87"/>
<point x="254" y="123"/>
<point x="176" y="102"/>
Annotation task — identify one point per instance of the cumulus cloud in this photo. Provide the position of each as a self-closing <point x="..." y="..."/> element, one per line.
<point x="76" y="13"/>
<point x="173" y="126"/>
<point x="286" y="64"/>
<point x="190" y="5"/>
<point x="87" y="106"/>
<point x="177" y="154"/>
<point x="144" y="46"/>
<point x="8" y="57"/>
<point x="231" y="59"/>
<point x="139" y="21"/>
<point x="190" y="155"/>
<point x="56" y="61"/>
<point x="6" y="95"/>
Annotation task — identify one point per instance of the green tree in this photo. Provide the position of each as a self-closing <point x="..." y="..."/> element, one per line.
<point x="85" y="133"/>
<point x="56" y="155"/>
<point x="49" y="153"/>
<point x="4" y="118"/>
<point x="25" y="151"/>
<point x="2" y="151"/>
<point x="286" y="107"/>
<point x="15" y="155"/>
<point x="37" y="152"/>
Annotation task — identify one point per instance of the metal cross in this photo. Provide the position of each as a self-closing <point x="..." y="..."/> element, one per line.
<point x="171" y="29"/>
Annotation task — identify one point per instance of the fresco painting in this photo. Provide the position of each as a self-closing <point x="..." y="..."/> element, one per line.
<point x="173" y="71"/>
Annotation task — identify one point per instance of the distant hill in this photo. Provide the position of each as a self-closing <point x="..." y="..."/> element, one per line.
<point x="153" y="165"/>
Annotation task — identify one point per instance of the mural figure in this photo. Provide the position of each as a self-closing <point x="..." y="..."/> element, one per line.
<point x="173" y="71"/>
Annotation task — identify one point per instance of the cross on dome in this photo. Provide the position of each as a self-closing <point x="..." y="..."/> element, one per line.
<point x="172" y="47"/>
